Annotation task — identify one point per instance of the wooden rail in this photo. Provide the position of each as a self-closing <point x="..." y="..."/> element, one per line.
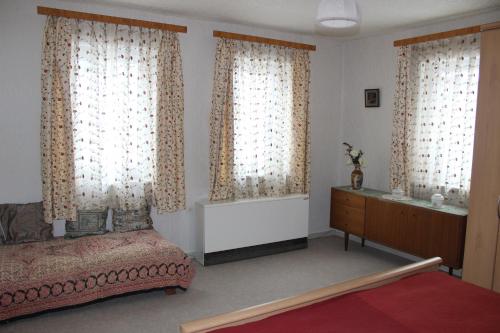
<point x="262" y="311"/>
<point x="263" y="40"/>
<point x="437" y="36"/>
<point x="110" y="19"/>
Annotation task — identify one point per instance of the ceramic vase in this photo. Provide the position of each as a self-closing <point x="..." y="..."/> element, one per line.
<point x="357" y="177"/>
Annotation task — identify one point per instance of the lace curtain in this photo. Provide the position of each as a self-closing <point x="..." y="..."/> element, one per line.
<point x="434" y="118"/>
<point x="126" y="97"/>
<point x="259" y="121"/>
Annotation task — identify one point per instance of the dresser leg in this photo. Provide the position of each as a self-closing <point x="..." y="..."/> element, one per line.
<point x="450" y="270"/>
<point x="362" y="242"/>
<point x="346" y="240"/>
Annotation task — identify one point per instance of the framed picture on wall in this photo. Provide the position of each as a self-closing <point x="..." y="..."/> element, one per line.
<point x="372" y="98"/>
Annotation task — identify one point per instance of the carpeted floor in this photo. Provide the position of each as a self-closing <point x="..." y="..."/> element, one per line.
<point x="216" y="289"/>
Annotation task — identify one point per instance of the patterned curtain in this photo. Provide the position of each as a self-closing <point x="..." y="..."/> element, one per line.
<point x="259" y="121"/>
<point x="221" y="124"/>
<point x="300" y="168"/>
<point x="126" y="95"/>
<point x="434" y="118"/>
<point x="401" y="118"/>
<point x="168" y="181"/>
<point x="58" y="178"/>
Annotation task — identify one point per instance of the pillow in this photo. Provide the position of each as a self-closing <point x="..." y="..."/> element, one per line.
<point x="3" y="235"/>
<point x="130" y="220"/>
<point x="89" y="222"/>
<point x="7" y="213"/>
<point x="22" y="223"/>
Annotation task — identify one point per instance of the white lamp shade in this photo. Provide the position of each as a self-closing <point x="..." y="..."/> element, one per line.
<point x="338" y="13"/>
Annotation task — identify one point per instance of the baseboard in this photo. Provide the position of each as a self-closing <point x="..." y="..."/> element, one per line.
<point x="322" y="234"/>
<point x="249" y="252"/>
<point x="198" y="256"/>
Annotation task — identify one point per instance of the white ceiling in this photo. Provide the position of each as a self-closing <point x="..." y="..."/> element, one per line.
<point x="299" y="15"/>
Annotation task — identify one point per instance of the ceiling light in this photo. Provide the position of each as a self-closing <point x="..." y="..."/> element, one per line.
<point x="338" y="13"/>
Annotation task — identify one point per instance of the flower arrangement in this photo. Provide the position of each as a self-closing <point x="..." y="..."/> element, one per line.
<point x="354" y="156"/>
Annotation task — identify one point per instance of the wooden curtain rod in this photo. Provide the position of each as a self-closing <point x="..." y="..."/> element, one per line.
<point x="257" y="39"/>
<point x="490" y="26"/>
<point x="437" y="36"/>
<point x="109" y="19"/>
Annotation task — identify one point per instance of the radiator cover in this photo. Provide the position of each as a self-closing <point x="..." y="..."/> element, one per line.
<point x="234" y="230"/>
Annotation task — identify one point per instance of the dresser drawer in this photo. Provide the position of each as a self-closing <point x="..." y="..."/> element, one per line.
<point x="349" y="219"/>
<point x="349" y="199"/>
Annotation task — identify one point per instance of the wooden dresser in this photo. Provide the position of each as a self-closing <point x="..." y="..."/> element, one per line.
<point x="409" y="226"/>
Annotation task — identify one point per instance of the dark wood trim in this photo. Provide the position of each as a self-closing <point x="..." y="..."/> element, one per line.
<point x="490" y="26"/>
<point x="263" y="40"/>
<point x="109" y="19"/>
<point x="249" y="252"/>
<point x="437" y="36"/>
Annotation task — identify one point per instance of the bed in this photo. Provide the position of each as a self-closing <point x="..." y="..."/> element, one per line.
<point x="413" y="298"/>
<point x="52" y="274"/>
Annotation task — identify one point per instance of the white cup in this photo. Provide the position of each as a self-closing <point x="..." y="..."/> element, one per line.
<point x="437" y="200"/>
<point x="398" y="193"/>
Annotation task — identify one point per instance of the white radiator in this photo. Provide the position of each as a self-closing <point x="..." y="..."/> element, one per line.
<point x="239" y="224"/>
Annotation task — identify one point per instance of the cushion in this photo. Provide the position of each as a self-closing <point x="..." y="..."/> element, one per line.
<point x="89" y="222"/>
<point x="23" y="223"/>
<point x="130" y="220"/>
<point x="7" y="213"/>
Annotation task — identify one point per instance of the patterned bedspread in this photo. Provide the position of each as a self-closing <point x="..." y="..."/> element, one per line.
<point x="61" y="272"/>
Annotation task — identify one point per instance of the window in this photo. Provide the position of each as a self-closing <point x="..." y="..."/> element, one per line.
<point x="263" y="106"/>
<point x="259" y="121"/>
<point x="440" y="94"/>
<point x="114" y="80"/>
<point x="112" y="118"/>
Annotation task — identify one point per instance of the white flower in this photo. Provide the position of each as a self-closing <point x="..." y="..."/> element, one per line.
<point x="354" y="153"/>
